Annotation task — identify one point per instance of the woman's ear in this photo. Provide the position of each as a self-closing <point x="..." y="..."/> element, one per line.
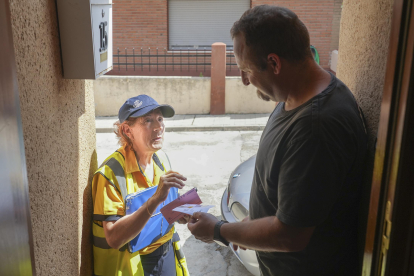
<point x="127" y="131"/>
<point x="274" y="61"/>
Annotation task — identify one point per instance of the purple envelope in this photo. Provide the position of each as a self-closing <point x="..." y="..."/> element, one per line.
<point x="190" y="197"/>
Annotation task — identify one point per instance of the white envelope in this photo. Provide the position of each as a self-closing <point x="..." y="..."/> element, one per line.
<point x="190" y="209"/>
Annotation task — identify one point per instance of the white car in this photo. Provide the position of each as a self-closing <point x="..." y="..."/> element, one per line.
<point x="235" y="207"/>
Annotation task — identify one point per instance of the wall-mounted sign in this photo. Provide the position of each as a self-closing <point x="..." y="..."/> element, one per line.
<point x="86" y="37"/>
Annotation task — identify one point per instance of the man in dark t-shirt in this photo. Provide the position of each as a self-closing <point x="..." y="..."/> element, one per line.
<point x="308" y="172"/>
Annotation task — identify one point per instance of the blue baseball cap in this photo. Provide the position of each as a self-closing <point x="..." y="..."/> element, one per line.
<point x="140" y="105"/>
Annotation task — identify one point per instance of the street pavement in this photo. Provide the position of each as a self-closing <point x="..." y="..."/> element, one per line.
<point x="226" y="122"/>
<point x="207" y="159"/>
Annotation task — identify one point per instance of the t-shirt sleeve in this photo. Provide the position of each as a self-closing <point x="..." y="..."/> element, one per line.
<point x="107" y="200"/>
<point x="310" y="182"/>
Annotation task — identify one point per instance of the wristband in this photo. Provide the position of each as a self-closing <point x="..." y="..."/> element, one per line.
<point x="218" y="238"/>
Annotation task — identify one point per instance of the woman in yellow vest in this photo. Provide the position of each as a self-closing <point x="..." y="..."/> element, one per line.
<point x="138" y="164"/>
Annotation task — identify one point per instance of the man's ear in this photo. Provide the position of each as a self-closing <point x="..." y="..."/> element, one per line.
<point x="274" y="61"/>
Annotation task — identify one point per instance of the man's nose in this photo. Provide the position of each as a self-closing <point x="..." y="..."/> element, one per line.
<point x="244" y="77"/>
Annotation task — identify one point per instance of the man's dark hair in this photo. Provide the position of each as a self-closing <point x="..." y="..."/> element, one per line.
<point x="272" y="29"/>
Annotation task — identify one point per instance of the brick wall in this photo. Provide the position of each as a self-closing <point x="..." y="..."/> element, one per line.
<point x="144" y="24"/>
<point x="336" y="24"/>
<point x="141" y="23"/>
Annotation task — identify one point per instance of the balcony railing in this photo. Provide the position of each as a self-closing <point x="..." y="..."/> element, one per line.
<point x="156" y="61"/>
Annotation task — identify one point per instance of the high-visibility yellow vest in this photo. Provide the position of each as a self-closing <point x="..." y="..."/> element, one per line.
<point x="110" y="261"/>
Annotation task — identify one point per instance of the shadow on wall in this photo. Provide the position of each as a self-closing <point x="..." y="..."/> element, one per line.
<point x="86" y="242"/>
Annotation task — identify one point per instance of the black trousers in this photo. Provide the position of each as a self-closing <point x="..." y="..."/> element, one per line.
<point x="161" y="262"/>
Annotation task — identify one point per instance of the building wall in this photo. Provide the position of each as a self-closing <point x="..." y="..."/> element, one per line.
<point x="336" y="23"/>
<point x="145" y="24"/>
<point x="139" y="24"/>
<point x="364" y="39"/>
<point x="188" y="95"/>
<point x="243" y="99"/>
<point x="59" y="138"/>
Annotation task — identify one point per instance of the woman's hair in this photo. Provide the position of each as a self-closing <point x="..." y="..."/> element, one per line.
<point x="123" y="139"/>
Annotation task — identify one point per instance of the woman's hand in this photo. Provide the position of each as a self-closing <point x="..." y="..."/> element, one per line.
<point x="167" y="181"/>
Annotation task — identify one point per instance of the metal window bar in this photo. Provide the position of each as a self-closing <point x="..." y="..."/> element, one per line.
<point x="230" y="55"/>
<point x="170" y="59"/>
<point x="119" y="67"/>
<point x="230" y="62"/>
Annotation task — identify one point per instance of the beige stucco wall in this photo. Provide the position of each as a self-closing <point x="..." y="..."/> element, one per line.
<point x="243" y="99"/>
<point x="363" y="48"/>
<point x="59" y="138"/>
<point x="188" y="95"/>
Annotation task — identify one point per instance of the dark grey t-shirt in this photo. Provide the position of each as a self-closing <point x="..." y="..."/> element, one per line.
<point x="308" y="173"/>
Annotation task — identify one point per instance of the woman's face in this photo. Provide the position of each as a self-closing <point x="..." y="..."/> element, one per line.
<point x="148" y="132"/>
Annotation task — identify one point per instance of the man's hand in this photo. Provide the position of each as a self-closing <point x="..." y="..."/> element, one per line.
<point x="167" y="181"/>
<point x="202" y="225"/>
<point x="235" y="246"/>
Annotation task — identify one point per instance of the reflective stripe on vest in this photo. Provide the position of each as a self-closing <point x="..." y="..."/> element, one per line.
<point x="178" y="252"/>
<point x="100" y="243"/>
<point x="180" y="261"/>
<point x="118" y="170"/>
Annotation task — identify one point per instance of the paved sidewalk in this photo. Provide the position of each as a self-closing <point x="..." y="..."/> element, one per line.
<point x="227" y="122"/>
